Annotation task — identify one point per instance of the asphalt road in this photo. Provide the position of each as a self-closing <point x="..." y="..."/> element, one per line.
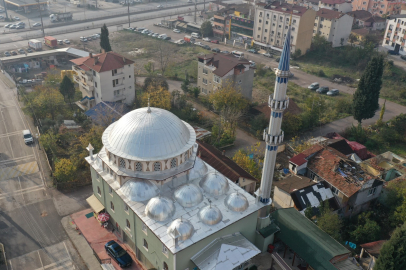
<point x="30" y="226"/>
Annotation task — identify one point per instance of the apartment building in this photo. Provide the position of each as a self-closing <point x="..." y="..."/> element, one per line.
<point x="216" y="70"/>
<point x="104" y="77"/>
<point x="378" y="7"/>
<point x="394" y="34"/>
<point x="333" y="25"/>
<point x="271" y="25"/>
<point x="343" y="6"/>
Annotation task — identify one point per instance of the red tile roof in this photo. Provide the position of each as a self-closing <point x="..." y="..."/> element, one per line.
<point x="374" y="248"/>
<point x="286" y="8"/>
<point x="315" y="148"/>
<point x="333" y="2"/>
<point x="222" y="163"/>
<point x="223" y="62"/>
<point x="293" y="182"/>
<point x="360" y="31"/>
<point x="360" y="14"/>
<point x="103" y="62"/>
<point x="299" y="159"/>
<point x="329" y="14"/>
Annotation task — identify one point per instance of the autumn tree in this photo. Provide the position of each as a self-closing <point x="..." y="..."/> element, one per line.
<point x="47" y="103"/>
<point x="158" y="97"/>
<point x="154" y="83"/>
<point x="64" y="171"/>
<point x="352" y="38"/>
<point x="300" y="145"/>
<point x="252" y="164"/>
<point x="104" y="39"/>
<point x="228" y="97"/>
<point x="163" y="52"/>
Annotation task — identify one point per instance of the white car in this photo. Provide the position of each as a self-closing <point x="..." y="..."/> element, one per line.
<point x="66" y="41"/>
<point x="16" y="18"/>
<point x="176" y="30"/>
<point x="36" y="24"/>
<point x="145" y="31"/>
<point x="180" y="41"/>
<point x="83" y="39"/>
<point x="60" y="42"/>
<point x="198" y="43"/>
<point x="206" y="39"/>
<point x="160" y="6"/>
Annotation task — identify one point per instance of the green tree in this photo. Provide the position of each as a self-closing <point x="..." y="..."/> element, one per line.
<point x="185" y="86"/>
<point x="366" y="230"/>
<point x="206" y="29"/>
<point x="393" y="253"/>
<point x="155" y="83"/>
<point x="309" y="212"/>
<point x="366" y="97"/>
<point x="329" y="221"/>
<point x="352" y="38"/>
<point x="296" y="54"/>
<point x="67" y="89"/>
<point x="149" y="68"/>
<point x="64" y="171"/>
<point x="104" y="39"/>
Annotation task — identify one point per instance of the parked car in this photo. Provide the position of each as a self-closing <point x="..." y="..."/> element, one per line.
<point x="36" y="24"/>
<point x="217" y="50"/>
<point x="13" y="26"/>
<point x="393" y="52"/>
<point x="252" y="64"/>
<point x="21" y="51"/>
<point x="83" y="39"/>
<point x="322" y="90"/>
<point x="206" y="39"/>
<point x="167" y="38"/>
<point x="160" y="6"/>
<point x="314" y="86"/>
<point x="1" y="17"/>
<point x="21" y="26"/>
<point x="60" y="42"/>
<point x="267" y="55"/>
<point x="206" y="47"/>
<point x="176" y="30"/>
<point x="145" y="31"/>
<point x="333" y="92"/>
<point x="8" y="25"/>
<point x="28" y="139"/>
<point x="28" y="50"/>
<point x="140" y="29"/>
<point x="13" y="52"/>
<point x="96" y="35"/>
<point x="198" y="43"/>
<point x="225" y="52"/>
<point x="21" y="23"/>
<point x="6" y="53"/>
<point x="118" y="254"/>
<point x="151" y="33"/>
<point x="66" y="41"/>
<point x="16" y="18"/>
<point x="180" y="41"/>
<point x="252" y="51"/>
<point x="215" y="41"/>
<point x="403" y="57"/>
<point x="155" y="35"/>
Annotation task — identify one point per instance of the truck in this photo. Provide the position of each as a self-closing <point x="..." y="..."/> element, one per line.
<point x="189" y="39"/>
<point x="35" y="44"/>
<point x="58" y="17"/>
<point x="51" y="42"/>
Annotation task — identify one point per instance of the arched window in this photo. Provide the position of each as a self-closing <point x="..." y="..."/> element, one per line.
<point x="138" y="167"/>
<point x="127" y="222"/>
<point x="157" y="166"/>
<point x="112" y="206"/>
<point x="174" y="162"/>
<point x="98" y="191"/>
<point x="165" y="266"/>
<point x="145" y="244"/>
<point x="122" y="163"/>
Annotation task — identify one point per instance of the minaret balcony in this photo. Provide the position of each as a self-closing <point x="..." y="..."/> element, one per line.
<point x="278" y="105"/>
<point x="282" y="73"/>
<point x="273" y="139"/>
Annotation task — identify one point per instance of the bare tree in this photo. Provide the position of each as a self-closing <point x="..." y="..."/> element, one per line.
<point x="164" y="52"/>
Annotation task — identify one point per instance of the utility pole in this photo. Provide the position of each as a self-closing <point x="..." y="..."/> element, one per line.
<point x="128" y="12"/>
<point x="195" y="9"/>
<point x="40" y="14"/>
<point x="204" y="5"/>
<point x="5" y="7"/>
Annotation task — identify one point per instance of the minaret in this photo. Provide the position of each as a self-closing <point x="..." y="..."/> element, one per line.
<point x="274" y="136"/>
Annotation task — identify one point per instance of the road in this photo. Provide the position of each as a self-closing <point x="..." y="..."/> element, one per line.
<point x="30" y="226"/>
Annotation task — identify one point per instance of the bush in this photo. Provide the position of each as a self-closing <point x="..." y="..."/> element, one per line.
<point x="321" y="73"/>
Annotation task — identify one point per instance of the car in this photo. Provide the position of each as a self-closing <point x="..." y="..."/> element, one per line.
<point x="6" y="53"/>
<point x="60" y="42"/>
<point x="167" y="38"/>
<point x="206" y="47"/>
<point x="13" y="52"/>
<point x="403" y="57"/>
<point x="217" y="50"/>
<point x="267" y="55"/>
<point x="96" y="35"/>
<point x="23" y="81"/>
<point x="66" y="41"/>
<point x="180" y="41"/>
<point x="215" y="41"/>
<point x="21" y="51"/>
<point x="151" y="33"/>
<point x="145" y="31"/>
<point x="155" y="35"/>
<point x="393" y="52"/>
<point x="252" y="64"/>
<point x="206" y="39"/>
<point x="160" y="6"/>
<point x="277" y="59"/>
<point x="28" y="139"/>
<point x="252" y="51"/>
<point x="8" y="25"/>
<point x="83" y="39"/>
<point x="140" y="29"/>
<point x="333" y="92"/>
<point x="322" y="90"/>
<point x="29" y="50"/>
<point x="225" y="52"/>
<point x="13" y="26"/>
<point x="16" y="18"/>
<point x="313" y="86"/>
<point x="198" y="43"/>
<point x="20" y="26"/>
<point x="176" y="31"/>
<point x="36" y="24"/>
<point x="118" y="254"/>
<point x="21" y="23"/>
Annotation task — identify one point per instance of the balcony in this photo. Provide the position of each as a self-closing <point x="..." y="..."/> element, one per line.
<point x="119" y="97"/>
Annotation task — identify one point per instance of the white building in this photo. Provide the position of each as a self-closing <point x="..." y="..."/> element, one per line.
<point x="104" y="77"/>
<point x="333" y="25"/>
<point x="343" y="6"/>
<point x="394" y="34"/>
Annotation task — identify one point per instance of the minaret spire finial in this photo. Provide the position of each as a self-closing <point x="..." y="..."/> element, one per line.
<point x="149" y="109"/>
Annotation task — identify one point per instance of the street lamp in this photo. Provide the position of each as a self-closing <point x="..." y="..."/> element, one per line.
<point x="37" y="137"/>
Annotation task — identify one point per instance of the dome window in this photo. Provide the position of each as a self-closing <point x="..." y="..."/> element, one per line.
<point x="157" y="166"/>
<point x="122" y="163"/>
<point x="138" y="167"/>
<point x="173" y="163"/>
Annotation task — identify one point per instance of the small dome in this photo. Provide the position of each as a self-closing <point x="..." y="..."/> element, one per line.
<point x="210" y="215"/>
<point x="214" y="184"/>
<point x="184" y="229"/>
<point x="139" y="190"/>
<point x="188" y="195"/>
<point x="198" y="170"/>
<point x="160" y="208"/>
<point x="236" y="202"/>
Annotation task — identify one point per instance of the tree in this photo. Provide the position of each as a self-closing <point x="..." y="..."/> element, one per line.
<point x="352" y="38"/>
<point x="296" y="54"/>
<point x="154" y="83"/>
<point x="206" y="29"/>
<point x="252" y="165"/>
<point x="379" y="121"/>
<point x="228" y="96"/>
<point x="47" y="103"/>
<point x="392" y="255"/>
<point x="67" y="89"/>
<point x="165" y="52"/>
<point x="149" y="68"/>
<point x="185" y="86"/>
<point x="367" y="230"/>
<point x="329" y="221"/>
<point x="160" y="98"/>
<point x="64" y="171"/>
<point x="291" y="124"/>
<point x="104" y="39"/>
<point x="298" y="145"/>
<point x="366" y="97"/>
<point x="309" y="212"/>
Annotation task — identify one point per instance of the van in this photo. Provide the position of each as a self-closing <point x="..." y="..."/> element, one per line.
<point x="237" y="54"/>
<point x="195" y="35"/>
<point x="28" y="139"/>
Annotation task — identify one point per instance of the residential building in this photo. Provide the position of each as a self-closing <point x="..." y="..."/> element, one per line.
<point x="359" y="15"/>
<point x="313" y="4"/>
<point x="106" y="76"/>
<point x="360" y="33"/>
<point x="333" y="25"/>
<point x="387" y="166"/>
<point x="216" y="70"/>
<point x="271" y="26"/>
<point x="371" y="252"/>
<point x="227" y="167"/>
<point x="383" y="7"/>
<point x="394" y="34"/>
<point x="374" y="23"/>
<point x="299" y="243"/>
<point x="343" y="6"/>
<point x="353" y="187"/>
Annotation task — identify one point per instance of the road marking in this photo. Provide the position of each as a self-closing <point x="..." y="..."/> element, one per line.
<point x="16" y="159"/>
<point x="58" y="264"/>
<point x="21" y="192"/>
<point x="42" y="265"/>
<point x="19" y="132"/>
<point x="22" y="195"/>
<point x="5" y="127"/>
<point x="19" y="170"/>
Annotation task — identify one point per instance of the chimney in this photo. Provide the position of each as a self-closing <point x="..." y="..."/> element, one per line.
<point x="103" y="50"/>
<point x="123" y="59"/>
<point x="90" y="55"/>
<point x="224" y="152"/>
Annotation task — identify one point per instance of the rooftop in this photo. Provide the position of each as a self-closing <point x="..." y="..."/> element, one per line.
<point x="375" y="19"/>
<point x="329" y="14"/>
<point x="285" y="8"/>
<point x="374" y="248"/>
<point x="340" y="145"/>
<point x="387" y="166"/>
<point x="293" y="182"/>
<point x="360" y="14"/>
<point x="64" y="51"/>
<point x="333" y="2"/>
<point x="105" y="113"/>
<point x="22" y="3"/>
<point x="102" y="62"/>
<point x="312" y="244"/>
<point x="299" y="159"/>
<point x="223" y="63"/>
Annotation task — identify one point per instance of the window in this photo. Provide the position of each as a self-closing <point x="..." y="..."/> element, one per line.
<point x="294" y="21"/>
<point x="127" y="224"/>
<point x="280" y="26"/>
<point x="122" y="163"/>
<point x="273" y="24"/>
<point x="266" y="30"/>
<point x="94" y="73"/>
<point x="315" y="24"/>
<point x="371" y="191"/>
<point x="164" y="249"/>
<point x="145" y="244"/>
<point x="334" y="190"/>
<point x="267" y="22"/>
<point x="264" y="38"/>
<point x="259" y="28"/>
<point x="260" y="14"/>
<point x="126" y="208"/>
<point x="165" y="266"/>
<point x="157" y="166"/>
<point x="216" y="79"/>
<point x="95" y="84"/>
<point x="205" y="71"/>
<point x="204" y="81"/>
<point x="260" y="20"/>
<point x="144" y="228"/>
<point x="274" y="16"/>
<point x="286" y="27"/>
<point x="258" y="36"/>
<point x="293" y="29"/>
<point x="114" y="72"/>
<point x="98" y="191"/>
<point x="110" y="191"/>
<point x="115" y="82"/>
<point x="174" y="162"/>
<point x="138" y="167"/>
<point x="129" y="76"/>
<point x="116" y="92"/>
<point x="112" y="206"/>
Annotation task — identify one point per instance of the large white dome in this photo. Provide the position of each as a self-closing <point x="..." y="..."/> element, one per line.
<point x="149" y="135"/>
